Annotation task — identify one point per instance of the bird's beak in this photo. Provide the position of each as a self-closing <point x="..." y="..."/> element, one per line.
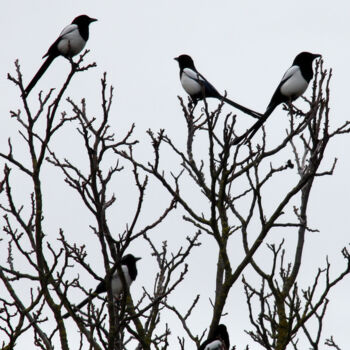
<point x="93" y="20"/>
<point x="176" y="59"/>
<point x="137" y="259"/>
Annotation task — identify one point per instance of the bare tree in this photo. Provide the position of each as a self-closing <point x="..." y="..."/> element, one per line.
<point x="284" y="309"/>
<point x="48" y="269"/>
<point x="233" y="184"/>
<point x="232" y="181"/>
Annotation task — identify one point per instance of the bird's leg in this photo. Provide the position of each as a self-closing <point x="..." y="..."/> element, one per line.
<point x="117" y="301"/>
<point x="70" y="59"/>
<point x="74" y="65"/>
<point x="193" y="104"/>
<point x="292" y="111"/>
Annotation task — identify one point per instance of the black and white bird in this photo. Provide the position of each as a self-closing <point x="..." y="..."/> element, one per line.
<point x="293" y="84"/>
<point x="69" y="43"/>
<point x="198" y="87"/>
<point x="219" y="341"/>
<point x="128" y="266"/>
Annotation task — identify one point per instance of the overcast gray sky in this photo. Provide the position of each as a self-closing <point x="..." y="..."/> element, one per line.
<point x="243" y="47"/>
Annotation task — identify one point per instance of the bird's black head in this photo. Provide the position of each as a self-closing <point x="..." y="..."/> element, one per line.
<point x="83" y="20"/>
<point x="221" y="333"/>
<point x="129" y="259"/>
<point x="185" y="61"/>
<point x="305" y="58"/>
<point x="304" y="62"/>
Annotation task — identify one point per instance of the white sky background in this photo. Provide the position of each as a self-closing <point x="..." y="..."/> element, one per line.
<point x="243" y="47"/>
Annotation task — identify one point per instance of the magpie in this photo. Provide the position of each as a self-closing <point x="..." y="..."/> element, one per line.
<point x="128" y="266"/>
<point x="70" y="42"/>
<point x="293" y="84"/>
<point x="219" y="341"/>
<point x="198" y="87"/>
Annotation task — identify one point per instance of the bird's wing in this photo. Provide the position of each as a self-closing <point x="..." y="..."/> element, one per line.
<point x="117" y="285"/>
<point x="289" y="73"/>
<point x="210" y="90"/>
<point x="67" y="30"/>
<point x="53" y="50"/>
<point x="212" y="345"/>
<point x="277" y="97"/>
<point x="194" y="75"/>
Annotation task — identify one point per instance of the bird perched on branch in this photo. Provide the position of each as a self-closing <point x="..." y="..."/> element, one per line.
<point x="199" y="88"/>
<point x="219" y="341"/>
<point x="293" y="84"/>
<point x="128" y="266"/>
<point x="70" y="42"/>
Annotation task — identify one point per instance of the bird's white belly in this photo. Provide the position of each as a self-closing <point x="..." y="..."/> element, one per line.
<point x="215" y="345"/>
<point x="71" y="44"/>
<point x="117" y="285"/>
<point x="190" y="85"/>
<point x="295" y="86"/>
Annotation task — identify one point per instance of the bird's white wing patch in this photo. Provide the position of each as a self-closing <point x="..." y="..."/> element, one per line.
<point x="192" y="74"/>
<point x="68" y="29"/>
<point x="215" y="345"/>
<point x="293" y="83"/>
<point x="117" y="285"/>
<point x="191" y="81"/>
<point x="290" y="72"/>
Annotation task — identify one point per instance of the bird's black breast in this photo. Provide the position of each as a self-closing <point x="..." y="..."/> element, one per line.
<point x="307" y="72"/>
<point x="84" y="31"/>
<point x="132" y="271"/>
<point x="304" y="61"/>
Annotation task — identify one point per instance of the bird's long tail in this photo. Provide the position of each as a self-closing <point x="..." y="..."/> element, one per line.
<point x="38" y="75"/>
<point x="248" y="135"/>
<point x="83" y="303"/>
<point x="242" y="108"/>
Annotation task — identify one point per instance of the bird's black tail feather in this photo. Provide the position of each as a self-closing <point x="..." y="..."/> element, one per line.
<point x="248" y="135"/>
<point x="79" y="306"/>
<point x="242" y="108"/>
<point x="38" y="75"/>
